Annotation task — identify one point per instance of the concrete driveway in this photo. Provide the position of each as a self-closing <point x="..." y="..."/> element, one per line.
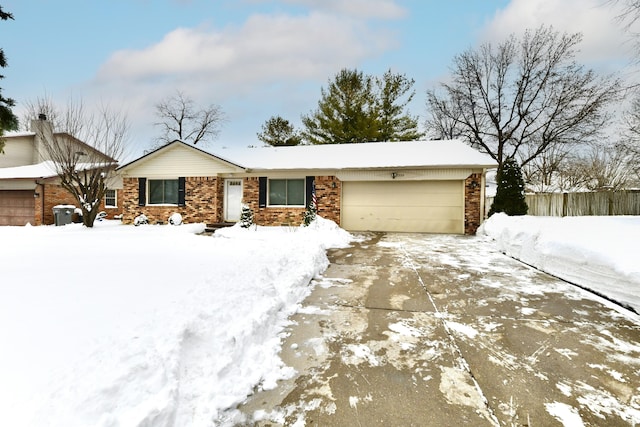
<point x="429" y="330"/>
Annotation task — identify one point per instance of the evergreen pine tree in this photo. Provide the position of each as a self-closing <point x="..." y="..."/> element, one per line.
<point x="510" y="193"/>
<point x="279" y="132"/>
<point x="246" y="216"/>
<point x="395" y="92"/>
<point x="347" y="112"/>
<point x="8" y="120"/>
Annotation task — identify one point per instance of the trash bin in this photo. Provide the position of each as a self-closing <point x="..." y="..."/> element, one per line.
<point x="62" y="214"/>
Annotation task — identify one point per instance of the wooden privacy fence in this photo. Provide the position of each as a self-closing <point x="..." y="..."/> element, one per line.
<point x="604" y="203"/>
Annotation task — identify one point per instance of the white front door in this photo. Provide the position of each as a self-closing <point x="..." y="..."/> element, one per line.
<point x="232" y="199"/>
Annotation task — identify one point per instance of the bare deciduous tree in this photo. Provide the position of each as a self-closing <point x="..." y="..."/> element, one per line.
<point x="180" y="118"/>
<point x="41" y="106"/>
<point x="630" y="140"/>
<point x="84" y="148"/>
<point x="544" y="173"/>
<point x="629" y="16"/>
<point x="606" y="167"/>
<point x="524" y="96"/>
<point x="444" y="119"/>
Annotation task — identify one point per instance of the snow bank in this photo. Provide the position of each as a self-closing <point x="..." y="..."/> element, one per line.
<point x="594" y="252"/>
<point x="150" y="325"/>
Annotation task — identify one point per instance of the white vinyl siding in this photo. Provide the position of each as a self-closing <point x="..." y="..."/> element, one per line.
<point x="179" y="161"/>
<point x="18" y="151"/>
<point x="403" y="206"/>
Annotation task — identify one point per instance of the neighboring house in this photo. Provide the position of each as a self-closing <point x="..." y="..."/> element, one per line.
<point x="29" y="186"/>
<point x="423" y="186"/>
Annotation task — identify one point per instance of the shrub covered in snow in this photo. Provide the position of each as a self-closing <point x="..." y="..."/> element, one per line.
<point x="175" y="219"/>
<point x="309" y="214"/>
<point x="140" y="219"/>
<point x="246" y="216"/>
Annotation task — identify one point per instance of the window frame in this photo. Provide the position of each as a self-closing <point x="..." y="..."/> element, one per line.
<point x="164" y="202"/>
<point x="115" y="198"/>
<point x="287" y="205"/>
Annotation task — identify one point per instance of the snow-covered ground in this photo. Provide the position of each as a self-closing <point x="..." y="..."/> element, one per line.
<point x="155" y="325"/>
<point x="151" y="325"/>
<point x="599" y="253"/>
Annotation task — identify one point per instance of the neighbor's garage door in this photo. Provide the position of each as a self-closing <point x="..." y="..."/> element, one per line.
<point x="414" y="206"/>
<point x="16" y="207"/>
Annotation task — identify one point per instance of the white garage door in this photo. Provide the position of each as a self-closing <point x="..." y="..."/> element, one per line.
<point x="16" y="207"/>
<point x="413" y="206"/>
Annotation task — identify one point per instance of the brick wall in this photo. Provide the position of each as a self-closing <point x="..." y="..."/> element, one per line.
<point x="472" y="214"/>
<point x="327" y="194"/>
<point x="53" y="194"/>
<point x="328" y="191"/>
<point x="203" y="202"/>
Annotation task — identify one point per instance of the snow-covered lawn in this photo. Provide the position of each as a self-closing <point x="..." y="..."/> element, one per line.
<point x="151" y="325"/>
<point x="599" y="253"/>
<point x="155" y="325"/>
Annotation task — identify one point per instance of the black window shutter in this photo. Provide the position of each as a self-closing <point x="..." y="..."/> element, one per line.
<point x="181" y="192"/>
<point x="262" y="192"/>
<point x="309" y="184"/>
<point x="142" y="191"/>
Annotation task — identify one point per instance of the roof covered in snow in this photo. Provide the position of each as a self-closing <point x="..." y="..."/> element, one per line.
<point x="412" y="154"/>
<point x="18" y="133"/>
<point x="41" y="170"/>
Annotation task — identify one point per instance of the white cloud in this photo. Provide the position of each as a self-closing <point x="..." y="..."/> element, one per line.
<point x="603" y="37"/>
<point x="270" y="64"/>
<point x="383" y="9"/>
<point x="264" y="48"/>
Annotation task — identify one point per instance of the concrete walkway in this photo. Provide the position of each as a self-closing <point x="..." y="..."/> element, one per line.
<point x="427" y="330"/>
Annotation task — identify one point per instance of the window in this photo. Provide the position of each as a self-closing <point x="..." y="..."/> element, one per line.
<point x="163" y="191"/>
<point x="286" y="192"/>
<point x="110" y="199"/>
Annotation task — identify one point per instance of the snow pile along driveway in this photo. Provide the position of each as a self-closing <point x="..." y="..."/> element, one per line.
<point x="595" y="252"/>
<point x="149" y="325"/>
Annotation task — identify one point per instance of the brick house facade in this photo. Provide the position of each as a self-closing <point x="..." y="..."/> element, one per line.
<point x="204" y="198"/>
<point x="203" y="202"/>
<point x="203" y="192"/>
<point x="51" y="194"/>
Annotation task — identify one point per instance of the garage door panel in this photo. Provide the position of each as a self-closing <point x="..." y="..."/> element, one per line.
<point x="410" y="206"/>
<point x="17" y="207"/>
<point x="403" y="199"/>
<point x="406" y="212"/>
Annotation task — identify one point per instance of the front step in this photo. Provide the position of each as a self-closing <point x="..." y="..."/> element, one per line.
<point x="210" y="228"/>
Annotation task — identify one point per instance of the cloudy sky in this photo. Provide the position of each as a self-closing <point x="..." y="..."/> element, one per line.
<point x="260" y="58"/>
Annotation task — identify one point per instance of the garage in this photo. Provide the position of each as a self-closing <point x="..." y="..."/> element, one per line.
<point x="403" y="206"/>
<point x="17" y="207"/>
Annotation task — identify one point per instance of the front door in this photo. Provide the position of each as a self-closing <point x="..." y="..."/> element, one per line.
<point x="232" y="199"/>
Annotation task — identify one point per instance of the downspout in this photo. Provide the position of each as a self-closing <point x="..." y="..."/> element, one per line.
<point x="483" y="195"/>
<point x="40" y="187"/>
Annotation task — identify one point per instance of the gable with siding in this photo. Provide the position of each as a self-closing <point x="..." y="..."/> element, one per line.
<point x="178" y="159"/>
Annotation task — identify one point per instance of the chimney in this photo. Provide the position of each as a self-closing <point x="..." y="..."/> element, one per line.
<point x="43" y="130"/>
